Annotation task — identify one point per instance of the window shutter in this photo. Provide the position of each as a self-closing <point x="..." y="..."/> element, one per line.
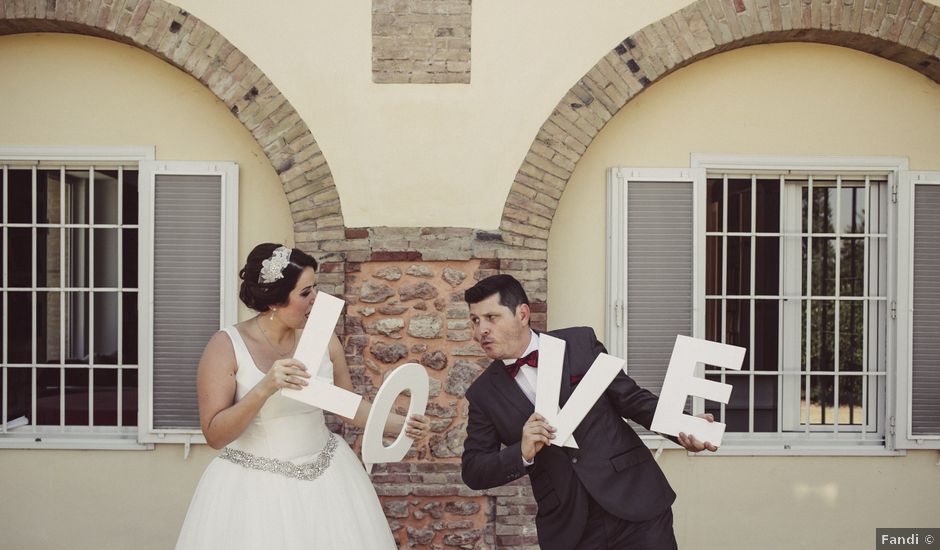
<point x="653" y="235"/>
<point x="917" y="422"/>
<point x="191" y="291"/>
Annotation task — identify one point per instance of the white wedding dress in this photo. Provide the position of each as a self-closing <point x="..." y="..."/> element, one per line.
<point x="286" y="483"/>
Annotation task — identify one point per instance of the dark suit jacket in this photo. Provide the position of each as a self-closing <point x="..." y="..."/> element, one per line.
<point x="612" y="464"/>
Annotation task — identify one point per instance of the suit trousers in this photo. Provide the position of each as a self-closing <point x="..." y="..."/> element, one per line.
<point x="605" y="531"/>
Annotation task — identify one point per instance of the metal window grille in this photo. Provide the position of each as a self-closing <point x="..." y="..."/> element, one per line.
<point x="68" y="363"/>
<point x="796" y="272"/>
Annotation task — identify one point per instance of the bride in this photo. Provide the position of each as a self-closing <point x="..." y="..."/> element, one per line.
<point x="282" y="480"/>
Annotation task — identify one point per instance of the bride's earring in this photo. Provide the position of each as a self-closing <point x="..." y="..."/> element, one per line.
<point x="273" y="310"/>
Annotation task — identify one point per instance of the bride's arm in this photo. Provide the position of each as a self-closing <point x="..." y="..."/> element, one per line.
<point x="418" y="425"/>
<point x="222" y="418"/>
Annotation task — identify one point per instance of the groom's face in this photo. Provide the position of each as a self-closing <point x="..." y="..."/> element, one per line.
<point x="500" y="331"/>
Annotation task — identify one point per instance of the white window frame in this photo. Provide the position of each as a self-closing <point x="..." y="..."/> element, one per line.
<point x="80" y="437"/>
<point x="228" y="314"/>
<point x="775" y="443"/>
<point x="829" y="444"/>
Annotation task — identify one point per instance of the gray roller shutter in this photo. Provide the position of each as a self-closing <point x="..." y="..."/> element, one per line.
<point x="925" y="349"/>
<point x="916" y="424"/>
<point x="186" y="281"/>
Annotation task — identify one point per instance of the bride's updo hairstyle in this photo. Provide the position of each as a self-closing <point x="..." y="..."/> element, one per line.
<point x="270" y="274"/>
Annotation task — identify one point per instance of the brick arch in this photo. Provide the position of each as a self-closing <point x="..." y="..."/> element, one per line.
<point x="904" y="31"/>
<point x="191" y="45"/>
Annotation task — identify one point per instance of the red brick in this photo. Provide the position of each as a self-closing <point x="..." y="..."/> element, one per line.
<point x="538" y="307"/>
<point x="388" y="256"/>
<point x="331" y="267"/>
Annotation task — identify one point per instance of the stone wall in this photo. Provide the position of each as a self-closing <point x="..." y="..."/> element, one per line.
<point x="405" y="311"/>
<point x="421" y="41"/>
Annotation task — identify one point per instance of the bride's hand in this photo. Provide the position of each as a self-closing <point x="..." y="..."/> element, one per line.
<point x="285" y="373"/>
<point x="418" y="428"/>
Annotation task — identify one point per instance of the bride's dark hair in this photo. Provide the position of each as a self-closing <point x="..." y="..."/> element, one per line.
<point x="257" y="294"/>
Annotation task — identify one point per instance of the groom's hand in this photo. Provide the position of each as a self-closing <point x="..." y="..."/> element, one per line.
<point x="536" y="433"/>
<point x="692" y="444"/>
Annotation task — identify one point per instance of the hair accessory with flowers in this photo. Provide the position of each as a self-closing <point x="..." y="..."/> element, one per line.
<point x="272" y="269"/>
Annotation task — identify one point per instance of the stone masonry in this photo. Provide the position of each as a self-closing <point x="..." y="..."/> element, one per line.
<point x="413" y="311"/>
<point x="421" y="41"/>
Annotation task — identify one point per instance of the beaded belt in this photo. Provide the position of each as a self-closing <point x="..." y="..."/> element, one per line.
<point x="308" y="471"/>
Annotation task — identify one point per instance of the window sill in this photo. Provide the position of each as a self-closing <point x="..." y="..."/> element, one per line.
<point x="784" y="446"/>
<point x="87" y="441"/>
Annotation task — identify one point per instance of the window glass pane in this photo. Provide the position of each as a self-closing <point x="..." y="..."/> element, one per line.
<point x="20" y="331"/>
<point x="48" y="196"/>
<point x="713" y="265"/>
<point x="739" y="205"/>
<point x="76" y="397"/>
<point x="129" y="399"/>
<point x="852" y="267"/>
<point x="129" y="197"/>
<point x="765" y="403"/>
<point x="106" y="328"/>
<point x="3" y="258"/>
<point x="878" y="206"/>
<point x="19" y="393"/>
<point x="739" y="266"/>
<point x="805" y="202"/>
<point x="714" y="201"/>
<point x="48" y="257"/>
<point x="851" y="335"/>
<point x="768" y="205"/>
<point x="824" y="204"/>
<point x="48" y="392"/>
<point x="821" y="402"/>
<point x="877" y="266"/>
<point x="766" y="334"/>
<point x="850" y="400"/>
<point x="19" y="196"/>
<point x="824" y="266"/>
<point x="129" y="329"/>
<point x="20" y="257"/>
<point x="738" y="327"/>
<point x="767" y="266"/>
<point x="713" y="320"/>
<point x="129" y="258"/>
<point x="822" y="335"/>
<point x="76" y="196"/>
<point x="736" y="415"/>
<point x="852" y="215"/>
<point x="48" y="322"/>
<point x="105" y="398"/>
<point x="877" y="336"/>
<point x="76" y="327"/>
<point x="106" y="257"/>
<point x="76" y="257"/>
<point x="106" y="196"/>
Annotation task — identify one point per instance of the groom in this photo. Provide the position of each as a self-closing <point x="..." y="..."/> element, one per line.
<point x="608" y="493"/>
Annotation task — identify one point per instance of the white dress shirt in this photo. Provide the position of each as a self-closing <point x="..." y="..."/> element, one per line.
<point x="531" y="374"/>
<point x="527" y="377"/>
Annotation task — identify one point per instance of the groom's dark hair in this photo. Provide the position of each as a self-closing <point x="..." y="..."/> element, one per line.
<point x="510" y="291"/>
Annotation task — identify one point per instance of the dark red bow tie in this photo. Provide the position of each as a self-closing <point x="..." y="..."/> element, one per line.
<point x="532" y="360"/>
